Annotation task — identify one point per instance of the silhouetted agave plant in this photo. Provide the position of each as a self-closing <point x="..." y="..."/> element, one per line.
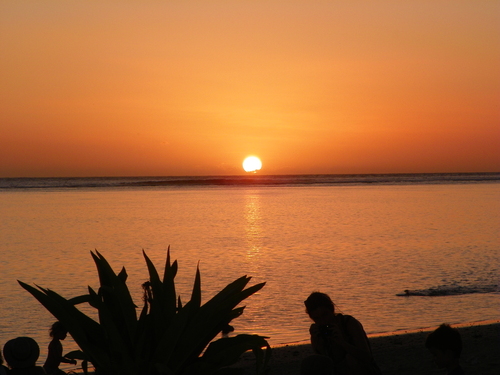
<point x="167" y="338"/>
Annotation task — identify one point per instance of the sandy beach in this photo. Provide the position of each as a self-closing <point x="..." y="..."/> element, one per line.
<point x="404" y="352"/>
<point x="400" y="353"/>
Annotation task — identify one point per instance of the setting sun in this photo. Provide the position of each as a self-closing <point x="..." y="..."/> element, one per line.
<point x="252" y="164"/>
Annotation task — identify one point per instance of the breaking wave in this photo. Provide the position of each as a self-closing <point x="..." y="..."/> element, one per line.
<point x="249" y="180"/>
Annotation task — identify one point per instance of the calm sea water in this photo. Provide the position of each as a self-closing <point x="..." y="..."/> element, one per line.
<point x="362" y="239"/>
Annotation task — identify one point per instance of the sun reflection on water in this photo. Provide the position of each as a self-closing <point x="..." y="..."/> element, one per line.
<point x="253" y="228"/>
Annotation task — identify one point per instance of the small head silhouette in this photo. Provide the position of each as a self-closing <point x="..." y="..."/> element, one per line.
<point x="58" y="331"/>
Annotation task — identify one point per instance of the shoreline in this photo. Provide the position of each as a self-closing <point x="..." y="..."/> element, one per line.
<point x="402" y="331"/>
<point x="402" y="352"/>
<point x="432" y="328"/>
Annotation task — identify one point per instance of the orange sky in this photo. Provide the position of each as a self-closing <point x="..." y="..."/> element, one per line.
<point x="129" y="88"/>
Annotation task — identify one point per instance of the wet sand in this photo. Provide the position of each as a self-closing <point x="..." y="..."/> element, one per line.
<point x="404" y="352"/>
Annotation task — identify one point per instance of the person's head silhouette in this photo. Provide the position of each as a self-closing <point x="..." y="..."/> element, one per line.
<point x="58" y="331"/>
<point x="319" y="307"/>
<point x="21" y="352"/>
<point x="445" y="344"/>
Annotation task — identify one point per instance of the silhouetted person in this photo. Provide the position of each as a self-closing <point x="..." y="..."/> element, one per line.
<point x="21" y="355"/>
<point x="339" y="337"/>
<point x="3" y="369"/>
<point x="445" y="344"/>
<point x="55" y="355"/>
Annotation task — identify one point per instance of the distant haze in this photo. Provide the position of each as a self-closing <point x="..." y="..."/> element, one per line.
<point x="191" y="88"/>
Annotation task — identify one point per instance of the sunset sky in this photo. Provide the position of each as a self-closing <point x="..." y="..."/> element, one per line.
<point x="142" y="88"/>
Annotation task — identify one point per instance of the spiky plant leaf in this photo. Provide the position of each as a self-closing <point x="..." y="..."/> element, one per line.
<point x="79" y="299"/>
<point x="123" y="275"/>
<point x="116" y="296"/>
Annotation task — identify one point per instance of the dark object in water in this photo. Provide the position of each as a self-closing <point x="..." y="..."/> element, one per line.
<point x="445" y="290"/>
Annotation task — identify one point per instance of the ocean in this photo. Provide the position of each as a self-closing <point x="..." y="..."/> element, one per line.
<point x="363" y="239"/>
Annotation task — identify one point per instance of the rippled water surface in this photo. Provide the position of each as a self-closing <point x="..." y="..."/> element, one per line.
<point x="361" y="244"/>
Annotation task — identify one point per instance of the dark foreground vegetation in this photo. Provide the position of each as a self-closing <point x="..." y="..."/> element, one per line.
<point x="167" y="337"/>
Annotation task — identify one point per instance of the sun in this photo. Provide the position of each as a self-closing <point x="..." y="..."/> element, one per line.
<point x="252" y="164"/>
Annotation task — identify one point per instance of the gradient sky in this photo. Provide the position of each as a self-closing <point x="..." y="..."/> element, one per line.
<point x="124" y="88"/>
